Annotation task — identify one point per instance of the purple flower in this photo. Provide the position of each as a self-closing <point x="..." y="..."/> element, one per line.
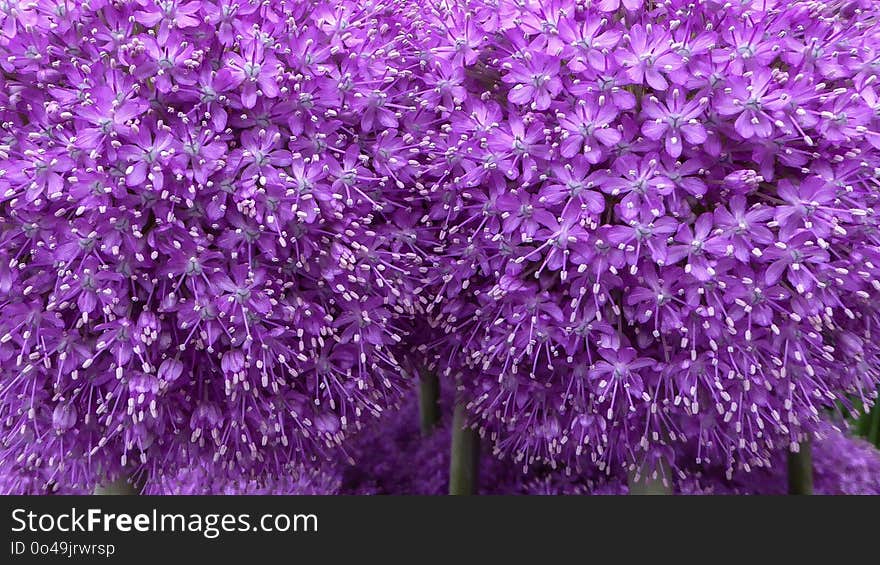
<point x="618" y="372"/>
<point x="254" y="70"/>
<point x="446" y="90"/>
<point x="674" y="121"/>
<point x="575" y="186"/>
<point x="740" y="230"/>
<point x="146" y="153"/>
<point x="588" y="39"/>
<point x="206" y="478"/>
<point x="587" y="130"/>
<point x="794" y="258"/>
<point x="535" y="81"/>
<point x="640" y="183"/>
<point x="649" y="57"/>
<point x="522" y="211"/>
<point x="752" y="99"/>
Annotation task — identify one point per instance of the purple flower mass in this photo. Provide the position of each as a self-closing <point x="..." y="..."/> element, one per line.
<point x="207" y="235"/>
<point x="656" y="226"/>
<point x="625" y="232"/>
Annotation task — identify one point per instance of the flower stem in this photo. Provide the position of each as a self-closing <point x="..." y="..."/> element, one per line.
<point x="465" y="455"/>
<point x="874" y="428"/>
<point x="429" y="401"/>
<point x="800" y="470"/>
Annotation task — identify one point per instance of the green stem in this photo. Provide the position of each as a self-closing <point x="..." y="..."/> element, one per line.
<point x="800" y="470"/>
<point x="874" y="429"/>
<point x="429" y="401"/>
<point x="465" y="455"/>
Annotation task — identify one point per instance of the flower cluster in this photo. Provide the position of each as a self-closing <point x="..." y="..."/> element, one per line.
<point x="656" y="223"/>
<point x="629" y="230"/>
<point x="208" y="232"/>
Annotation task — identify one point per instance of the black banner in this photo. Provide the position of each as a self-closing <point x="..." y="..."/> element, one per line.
<point x="132" y="529"/>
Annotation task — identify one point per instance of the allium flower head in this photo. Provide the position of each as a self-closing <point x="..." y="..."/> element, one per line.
<point x="208" y="229"/>
<point x="656" y="225"/>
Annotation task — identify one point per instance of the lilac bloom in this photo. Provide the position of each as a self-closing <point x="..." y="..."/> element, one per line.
<point x="561" y="237"/>
<point x="795" y="258"/>
<point x="147" y="153"/>
<point x="742" y="229"/>
<point x="691" y="248"/>
<point x="199" y="155"/>
<point x="173" y="62"/>
<point x="574" y="184"/>
<point x="212" y="86"/>
<point x="522" y="213"/>
<point x="169" y="13"/>
<point x="618" y="373"/>
<point x="535" y="81"/>
<point x="517" y="145"/>
<point x="544" y="23"/>
<point x="649" y="56"/>
<point x="374" y="111"/>
<point x="302" y="186"/>
<point x="844" y="119"/>
<point x="752" y="100"/>
<point x="611" y="81"/>
<point x="657" y="299"/>
<point x="223" y="15"/>
<point x="872" y="100"/>
<point x="711" y="222"/>
<point x="105" y="118"/>
<point x="465" y="38"/>
<point x="588" y="40"/>
<point x="751" y="47"/>
<point x="640" y="183"/>
<point x="254" y="69"/>
<point x="260" y="157"/>
<point x="39" y="175"/>
<point x="675" y="120"/>
<point x="586" y="130"/>
<point x="810" y="205"/>
<point x="446" y="88"/>
<point x="688" y="176"/>
<point x="624" y="235"/>
<point x="643" y="238"/>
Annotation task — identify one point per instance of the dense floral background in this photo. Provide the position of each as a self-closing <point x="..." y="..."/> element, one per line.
<point x="626" y="238"/>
